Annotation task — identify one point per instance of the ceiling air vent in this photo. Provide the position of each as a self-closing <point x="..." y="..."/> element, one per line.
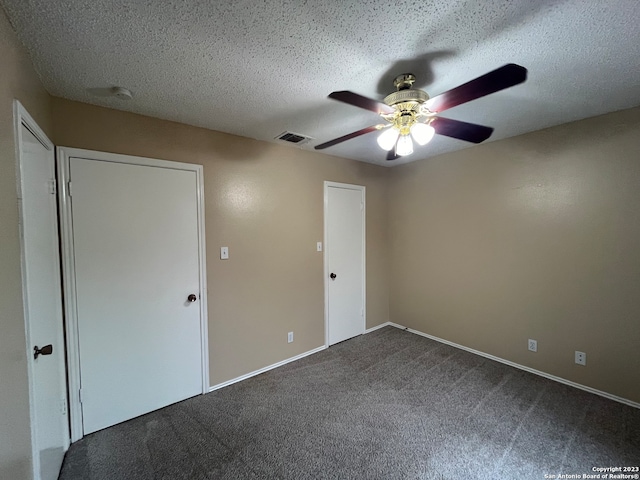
<point x="294" y="138"/>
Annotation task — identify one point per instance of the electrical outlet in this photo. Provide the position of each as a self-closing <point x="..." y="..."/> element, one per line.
<point x="581" y="358"/>
<point x="533" y="345"/>
<point x="289" y="337"/>
<point x="224" y="253"/>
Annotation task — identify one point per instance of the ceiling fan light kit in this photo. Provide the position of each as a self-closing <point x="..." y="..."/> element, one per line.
<point x="410" y="113"/>
<point x="409" y="118"/>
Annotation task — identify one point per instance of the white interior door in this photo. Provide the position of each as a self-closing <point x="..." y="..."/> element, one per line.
<point x="344" y="260"/>
<point x="136" y="251"/>
<point x="43" y="303"/>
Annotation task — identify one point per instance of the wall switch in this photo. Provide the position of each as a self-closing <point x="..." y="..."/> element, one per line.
<point x="289" y="337"/>
<point x="581" y="358"/>
<point x="533" y="345"/>
<point x="224" y="253"/>
<point x="319" y="246"/>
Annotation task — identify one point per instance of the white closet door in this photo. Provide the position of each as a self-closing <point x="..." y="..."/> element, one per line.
<point x="345" y="261"/>
<point x="135" y="239"/>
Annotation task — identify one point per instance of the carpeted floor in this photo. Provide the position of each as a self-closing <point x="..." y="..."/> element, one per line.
<point x="386" y="405"/>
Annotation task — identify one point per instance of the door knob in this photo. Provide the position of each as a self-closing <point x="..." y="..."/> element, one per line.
<point x="192" y="298"/>
<point x="333" y="276"/>
<point x="46" y="350"/>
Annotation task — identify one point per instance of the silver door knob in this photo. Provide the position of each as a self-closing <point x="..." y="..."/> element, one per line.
<point x="333" y="276"/>
<point x="192" y="298"/>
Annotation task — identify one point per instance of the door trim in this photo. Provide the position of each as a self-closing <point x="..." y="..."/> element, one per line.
<point x="68" y="266"/>
<point x="362" y="189"/>
<point x="21" y="117"/>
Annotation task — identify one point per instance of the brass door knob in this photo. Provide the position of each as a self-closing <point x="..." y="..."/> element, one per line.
<point x="192" y="298"/>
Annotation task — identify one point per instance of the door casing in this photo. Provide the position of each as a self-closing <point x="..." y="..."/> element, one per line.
<point x="327" y="185"/>
<point x="68" y="266"/>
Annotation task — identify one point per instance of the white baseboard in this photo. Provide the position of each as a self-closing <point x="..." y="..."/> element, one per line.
<point x="377" y="327"/>
<point x="522" y="367"/>
<point x="447" y="342"/>
<point x="266" y="369"/>
<point x="283" y="362"/>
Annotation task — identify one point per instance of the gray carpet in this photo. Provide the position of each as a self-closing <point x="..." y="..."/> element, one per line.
<point x="386" y="405"/>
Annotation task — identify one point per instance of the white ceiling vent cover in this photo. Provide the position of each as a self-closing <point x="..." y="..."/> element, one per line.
<point x="295" y="138"/>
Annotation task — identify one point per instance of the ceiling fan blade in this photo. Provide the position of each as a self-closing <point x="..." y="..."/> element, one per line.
<point x="362" y="102"/>
<point x="469" y="132"/>
<point x="499" y="79"/>
<point x="349" y="136"/>
<point x="392" y="155"/>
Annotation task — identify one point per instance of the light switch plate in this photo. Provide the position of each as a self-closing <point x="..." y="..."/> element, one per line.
<point x="224" y="253"/>
<point x="319" y="246"/>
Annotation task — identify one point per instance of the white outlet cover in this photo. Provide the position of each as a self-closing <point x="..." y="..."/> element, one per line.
<point x="581" y="358"/>
<point x="224" y="253"/>
<point x="533" y="345"/>
<point x="290" y="337"/>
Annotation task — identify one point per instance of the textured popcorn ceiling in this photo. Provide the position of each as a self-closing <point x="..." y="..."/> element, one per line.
<point x="257" y="68"/>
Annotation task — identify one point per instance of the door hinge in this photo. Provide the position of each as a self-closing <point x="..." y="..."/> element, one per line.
<point x="69" y="188"/>
<point x="80" y="395"/>
<point x="362" y="312"/>
<point x="52" y="187"/>
<point x="362" y="206"/>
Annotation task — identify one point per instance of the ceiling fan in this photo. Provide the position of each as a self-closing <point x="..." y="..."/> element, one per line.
<point x="411" y="113"/>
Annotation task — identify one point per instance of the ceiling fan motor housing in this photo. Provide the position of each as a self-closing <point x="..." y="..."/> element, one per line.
<point x="407" y="103"/>
<point x="405" y="93"/>
<point x="403" y="96"/>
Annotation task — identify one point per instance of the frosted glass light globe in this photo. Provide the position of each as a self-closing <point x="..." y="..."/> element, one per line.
<point x="387" y="139"/>
<point x="422" y="133"/>
<point x="405" y="146"/>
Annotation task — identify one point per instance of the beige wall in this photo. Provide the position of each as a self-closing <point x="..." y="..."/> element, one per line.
<point x="536" y="236"/>
<point x="265" y="202"/>
<point x="17" y="80"/>
<point x="529" y="237"/>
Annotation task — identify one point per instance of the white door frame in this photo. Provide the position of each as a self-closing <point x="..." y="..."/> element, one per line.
<point x="326" y="248"/>
<point x="21" y="117"/>
<point x="68" y="267"/>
